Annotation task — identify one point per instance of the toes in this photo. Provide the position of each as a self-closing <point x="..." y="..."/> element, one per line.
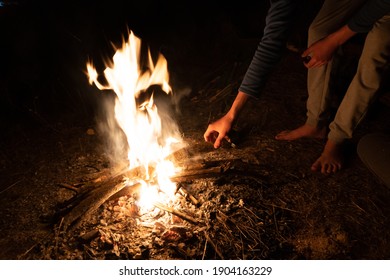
<point x="330" y="168"/>
<point x="316" y="166"/>
<point x="326" y="168"/>
<point x="282" y="135"/>
<point x="337" y="167"/>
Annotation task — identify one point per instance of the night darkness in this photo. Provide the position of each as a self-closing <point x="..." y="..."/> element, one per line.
<point x="45" y="46"/>
<point x="49" y="136"/>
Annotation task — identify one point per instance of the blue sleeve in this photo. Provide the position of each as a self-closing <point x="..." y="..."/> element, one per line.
<point x="370" y="12"/>
<point x="271" y="46"/>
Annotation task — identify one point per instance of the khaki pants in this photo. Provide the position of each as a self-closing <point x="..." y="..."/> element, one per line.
<point x="367" y="80"/>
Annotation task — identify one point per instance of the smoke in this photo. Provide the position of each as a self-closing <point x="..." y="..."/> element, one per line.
<point x="113" y="137"/>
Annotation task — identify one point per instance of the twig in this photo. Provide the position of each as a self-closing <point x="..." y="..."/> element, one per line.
<point x="280" y="207"/>
<point x="275" y="221"/>
<point x="176" y="212"/>
<point x="69" y="187"/>
<point x="204" y="249"/>
<point x="214" y="246"/>
<point x="276" y="224"/>
<point x="17" y="182"/>
<point x="358" y="207"/>
<point x="189" y="196"/>
<point x="221" y="93"/>
<point x="22" y="256"/>
<point x="58" y="234"/>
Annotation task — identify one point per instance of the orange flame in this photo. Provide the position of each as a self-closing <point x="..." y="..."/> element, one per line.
<point x="141" y="123"/>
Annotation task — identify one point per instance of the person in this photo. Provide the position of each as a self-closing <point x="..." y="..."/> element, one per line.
<point x="269" y="51"/>
<point x="336" y="22"/>
<point x="374" y="151"/>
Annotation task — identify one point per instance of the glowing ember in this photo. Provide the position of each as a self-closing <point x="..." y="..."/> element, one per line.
<point x="148" y="141"/>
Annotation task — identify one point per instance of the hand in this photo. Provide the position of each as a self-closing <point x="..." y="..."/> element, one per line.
<point x="320" y="53"/>
<point x="218" y="130"/>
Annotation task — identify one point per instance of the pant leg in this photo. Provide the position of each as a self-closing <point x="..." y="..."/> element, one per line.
<point x="374" y="151"/>
<point x="374" y="60"/>
<point x="332" y="15"/>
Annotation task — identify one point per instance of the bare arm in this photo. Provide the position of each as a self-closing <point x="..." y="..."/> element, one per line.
<point x="218" y="130"/>
<point x="321" y="52"/>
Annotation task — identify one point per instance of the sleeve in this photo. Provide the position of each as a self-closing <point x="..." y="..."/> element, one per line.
<point x="271" y="46"/>
<point x="370" y="12"/>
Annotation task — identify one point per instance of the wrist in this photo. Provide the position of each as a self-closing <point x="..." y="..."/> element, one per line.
<point x="231" y="116"/>
<point x="342" y="35"/>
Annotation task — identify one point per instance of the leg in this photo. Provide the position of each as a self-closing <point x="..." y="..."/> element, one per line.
<point x="332" y="15"/>
<point x="373" y="61"/>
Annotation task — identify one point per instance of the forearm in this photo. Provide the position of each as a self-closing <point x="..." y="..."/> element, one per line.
<point x="237" y="106"/>
<point x="321" y="52"/>
<point x="342" y="35"/>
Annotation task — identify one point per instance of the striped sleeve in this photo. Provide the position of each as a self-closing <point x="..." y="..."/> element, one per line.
<point x="270" y="47"/>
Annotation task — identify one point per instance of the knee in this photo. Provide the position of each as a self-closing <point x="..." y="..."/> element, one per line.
<point x="316" y="32"/>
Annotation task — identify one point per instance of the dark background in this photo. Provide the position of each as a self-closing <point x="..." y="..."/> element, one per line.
<point x="45" y="46"/>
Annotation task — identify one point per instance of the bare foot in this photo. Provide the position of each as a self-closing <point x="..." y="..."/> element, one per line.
<point x="301" y="132"/>
<point x="331" y="159"/>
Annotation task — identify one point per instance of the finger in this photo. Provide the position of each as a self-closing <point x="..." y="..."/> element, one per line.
<point x="213" y="135"/>
<point x="218" y="141"/>
<point x="306" y="52"/>
<point x="206" y="135"/>
<point x="311" y="63"/>
<point x="306" y="59"/>
<point x="318" y="64"/>
<point x="315" y="64"/>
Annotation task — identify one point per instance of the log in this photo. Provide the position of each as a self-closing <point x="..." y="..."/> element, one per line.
<point x="80" y="207"/>
<point x="176" y="212"/>
<point x="87" y="206"/>
<point x="196" y="173"/>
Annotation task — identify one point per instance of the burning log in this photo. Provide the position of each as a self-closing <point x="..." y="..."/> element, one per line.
<point x="201" y="170"/>
<point x="87" y="206"/>
<point x="176" y="212"/>
<point x="184" y="192"/>
<point x="197" y="173"/>
<point x="90" y="197"/>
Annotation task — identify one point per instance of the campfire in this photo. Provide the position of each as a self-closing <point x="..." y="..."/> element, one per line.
<point x="157" y="198"/>
<point x="150" y="139"/>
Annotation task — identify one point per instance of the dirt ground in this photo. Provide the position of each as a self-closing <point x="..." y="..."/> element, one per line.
<point x="265" y="204"/>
